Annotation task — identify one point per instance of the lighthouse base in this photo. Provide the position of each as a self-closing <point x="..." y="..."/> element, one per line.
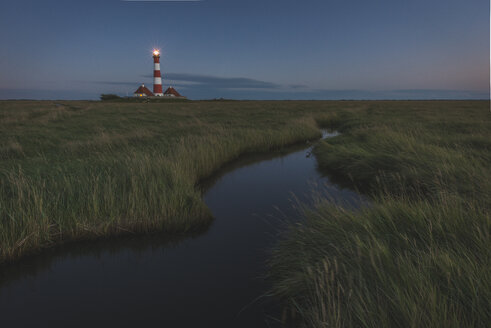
<point x="158" y="94"/>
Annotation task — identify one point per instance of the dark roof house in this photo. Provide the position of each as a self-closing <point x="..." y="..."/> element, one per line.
<point x="143" y="91"/>
<point x="171" y="92"/>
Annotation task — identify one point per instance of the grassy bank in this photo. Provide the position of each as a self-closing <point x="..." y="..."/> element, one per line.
<point x="420" y="255"/>
<point x="78" y="170"/>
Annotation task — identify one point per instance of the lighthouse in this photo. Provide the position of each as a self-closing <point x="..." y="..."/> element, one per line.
<point x="144" y="92"/>
<point x="157" y="78"/>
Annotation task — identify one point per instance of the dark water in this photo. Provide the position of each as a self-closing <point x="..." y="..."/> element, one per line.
<point x="212" y="279"/>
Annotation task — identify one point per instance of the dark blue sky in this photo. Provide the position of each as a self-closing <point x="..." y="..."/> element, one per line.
<point x="269" y="49"/>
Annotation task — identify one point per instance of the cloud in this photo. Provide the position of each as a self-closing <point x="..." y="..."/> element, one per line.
<point x="115" y="83"/>
<point x="216" y="82"/>
<point x="196" y="86"/>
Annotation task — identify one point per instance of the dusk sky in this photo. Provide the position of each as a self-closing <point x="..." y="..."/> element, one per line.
<point x="268" y="49"/>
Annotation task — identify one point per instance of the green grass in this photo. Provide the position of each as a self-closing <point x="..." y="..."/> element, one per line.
<point x="420" y="254"/>
<point x="79" y="170"/>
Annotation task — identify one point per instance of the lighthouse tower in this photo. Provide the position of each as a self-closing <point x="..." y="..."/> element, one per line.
<point x="157" y="78"/>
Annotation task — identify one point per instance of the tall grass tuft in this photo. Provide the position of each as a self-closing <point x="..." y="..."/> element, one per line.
<point x="104" y="169"/>
<point x="420" y="254"/>
<point x="397" y="263"/>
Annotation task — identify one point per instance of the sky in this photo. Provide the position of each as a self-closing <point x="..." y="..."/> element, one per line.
<point x="254" y="49"/>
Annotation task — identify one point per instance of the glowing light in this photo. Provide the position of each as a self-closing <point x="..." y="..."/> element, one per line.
<point x="156" y="52"/>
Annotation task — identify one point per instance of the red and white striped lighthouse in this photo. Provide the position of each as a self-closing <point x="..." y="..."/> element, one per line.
<point x="157" y="78"/>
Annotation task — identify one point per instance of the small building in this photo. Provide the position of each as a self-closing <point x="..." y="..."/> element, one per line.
<point x="143" y="91"/>
<point x="171" y="92"/>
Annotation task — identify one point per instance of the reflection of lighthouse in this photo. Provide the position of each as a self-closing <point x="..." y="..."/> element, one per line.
<point x="157" y="79"/>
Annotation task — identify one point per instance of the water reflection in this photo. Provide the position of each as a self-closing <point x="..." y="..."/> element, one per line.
<point x="32" y="265"/>
<point x="213" y="279"/>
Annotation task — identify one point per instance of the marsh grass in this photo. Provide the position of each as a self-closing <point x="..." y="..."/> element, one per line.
<point x="420" y="254"/>
<point x="398" y="263"/>
<point x="81" y="170"/>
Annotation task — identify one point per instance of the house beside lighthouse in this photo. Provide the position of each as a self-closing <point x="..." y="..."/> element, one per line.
<point x="143" y="91"/>
<point x="171" y="92"/>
